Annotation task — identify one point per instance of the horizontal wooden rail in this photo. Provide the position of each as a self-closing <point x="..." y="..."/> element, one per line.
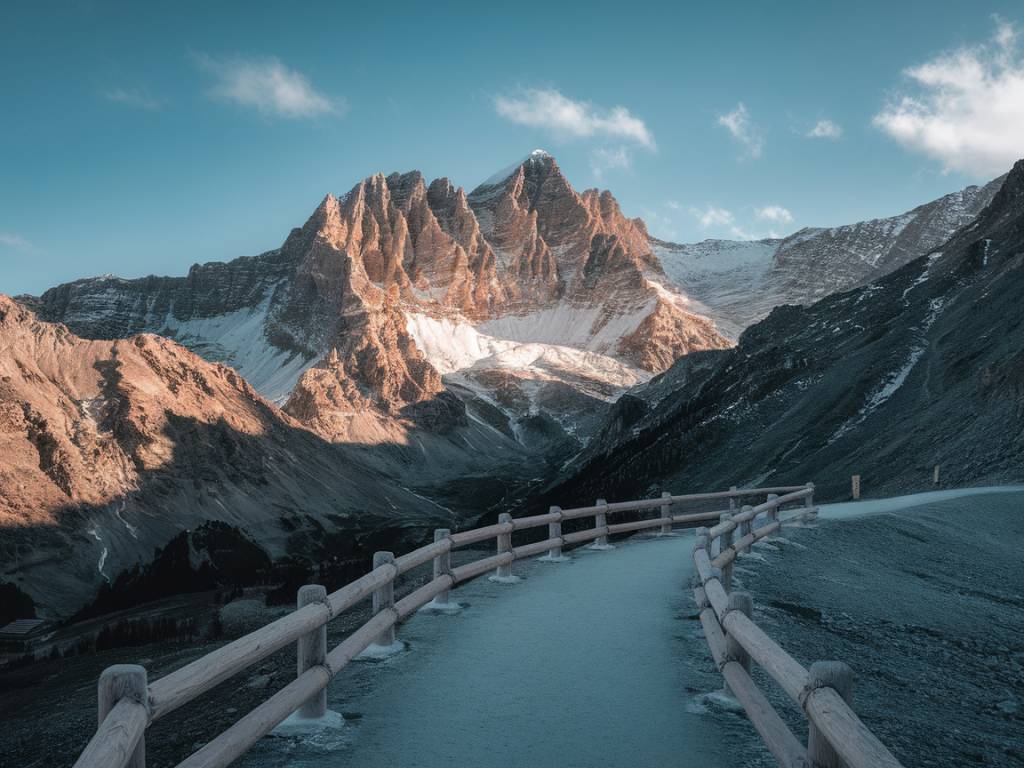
<point x="119" y="739"/>
<point x="117" y="735"/>
<point x="181" y="686"/>
<point x="781" y="742"/>
<point x="835" y="727"/>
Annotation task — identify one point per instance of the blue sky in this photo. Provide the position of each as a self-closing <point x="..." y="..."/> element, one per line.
<point x="137" y="141"/>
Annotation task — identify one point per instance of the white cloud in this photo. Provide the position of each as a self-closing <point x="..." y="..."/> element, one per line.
<point x="968" y="108"/>
<point x="825" y="129"/>
<point x="602" y="160"/>
<point x="739" y="124"/>
<point x="712" y="216"/>
<point x="16" y="242"/>
<point x="133" y="97"/>
<point x="774" y="213"/>
<point x="267" y="85"/>
<point x="725" y="222"/>
<point x="550" y="110"/>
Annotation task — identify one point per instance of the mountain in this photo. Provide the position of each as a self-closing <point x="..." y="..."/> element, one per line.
<point x="114" y="448"/>
<point x="740" y="282"/>
<point x="923" y="366"/>
<point x="426" y="322"/>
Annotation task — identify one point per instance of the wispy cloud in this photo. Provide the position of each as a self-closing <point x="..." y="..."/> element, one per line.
<point x="550" y="110"/>
<point x="134" y="97"/>
<point x="742" y="128"/>
<point x="712" y="216"/>
<point x="267" y="85"/>
<point x="968" y="108"/>
<point x="825" y="129"/>
<point x="16" y="242"/>
<point x="603" y="160"/>
<point x="724" y="222"/>
<point x="774" y="213"/>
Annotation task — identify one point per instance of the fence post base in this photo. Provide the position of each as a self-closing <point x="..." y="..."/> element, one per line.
<point x="311" y="650"/>
<point x="503" y="573"/>
<point x="383" y="600"/>
<point x="601" y="521"/>
<point x="554" y="554"/>
<point x="666" y="515"/>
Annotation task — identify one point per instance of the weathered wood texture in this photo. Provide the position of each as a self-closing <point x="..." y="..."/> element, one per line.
<point x="837" y="735"/>
<point x="311" y="650"/>
<point x="384" y="596"/>
<point x="123" y="714"/>
<point x="442" y="562"/>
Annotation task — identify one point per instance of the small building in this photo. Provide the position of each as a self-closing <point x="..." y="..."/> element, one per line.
<point x="21" y="634"/>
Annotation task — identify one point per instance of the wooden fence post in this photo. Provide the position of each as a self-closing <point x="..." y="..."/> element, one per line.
<point x="504" y="572"/>
<point x="745" y="525"/>
<point x="442" y="564"/>
<point x="124" y="681"/>
<point x="666" y="514"/>
<point x="732" y="499"/>
<point x="555" y="532"/>
<point x="830" y="674"/>
<point x="601" y="521"/>
<point x="724" y="542"/>
<point x="384" y="599"/>
<point x="855" y="483"/>
<point x="809" y="498"/>
<point x="773" y="512"/>
<point x="311" y="650"/>
<point x="744" y="603"/>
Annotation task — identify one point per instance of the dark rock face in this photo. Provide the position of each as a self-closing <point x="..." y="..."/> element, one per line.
<point x="921" y="367"/>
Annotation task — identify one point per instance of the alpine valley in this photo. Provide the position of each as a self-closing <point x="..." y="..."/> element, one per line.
<point x="414" y="355"/>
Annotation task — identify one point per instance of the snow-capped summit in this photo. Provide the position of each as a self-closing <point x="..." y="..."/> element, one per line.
<point x="536" y="156"/>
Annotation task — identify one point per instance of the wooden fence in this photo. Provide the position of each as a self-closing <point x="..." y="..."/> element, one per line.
<point x="836" y="736"/>
<point x="129" y="703"/>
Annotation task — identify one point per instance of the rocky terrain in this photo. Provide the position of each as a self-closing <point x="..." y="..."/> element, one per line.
<point x="924" y="366"/>
<point x="404" y="307"/>
<point x="740" y="282"/>
<point x="114" y="448"/>
<point x="414" y="353"/>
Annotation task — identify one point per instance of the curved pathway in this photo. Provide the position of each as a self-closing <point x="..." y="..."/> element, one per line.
<point x="578" y="665"/>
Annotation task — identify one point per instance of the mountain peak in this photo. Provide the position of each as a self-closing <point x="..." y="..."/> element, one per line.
<point x="538" y="157"/>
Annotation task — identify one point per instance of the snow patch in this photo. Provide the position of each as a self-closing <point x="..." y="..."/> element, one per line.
<point x="237" y="339"/>
<point x="453" y="346"/>
<point x="375" y="652"/>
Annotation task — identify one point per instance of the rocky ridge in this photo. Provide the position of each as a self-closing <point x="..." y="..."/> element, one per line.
<point x="739" y="282"/>
<point x="404" y="311"/>
<point x="920" y="367"/>
<point x="113" y="448"/>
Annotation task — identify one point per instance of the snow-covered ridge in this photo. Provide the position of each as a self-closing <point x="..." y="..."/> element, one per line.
<point x="453" y="346"/>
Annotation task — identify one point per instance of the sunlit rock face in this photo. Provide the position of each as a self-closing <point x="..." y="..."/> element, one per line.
<point x="112" y="448"/>
<point x="366" y="310"/>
